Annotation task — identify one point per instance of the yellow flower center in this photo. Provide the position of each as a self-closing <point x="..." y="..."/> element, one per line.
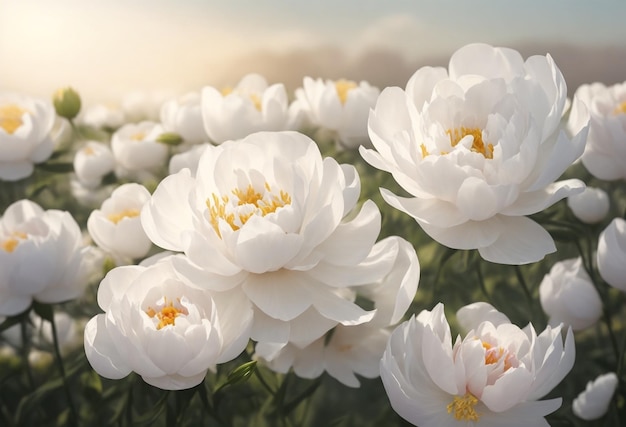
<point x="11" y="117"/>
<point x="9" y="244"/>
<point x="88" y="151"/>
<point x="255" y="98"/>
<point x="167" y="315"/>
<point x="138" y="136"/>
<point x="238" y="210"/>
<point x="620" y="109"/>
<point x="493" y="355"/>
<point x="343" y="87"/>
<point x="126" y="213"/>
<point x="478" y="145"/>
<point x="463" y="407"/>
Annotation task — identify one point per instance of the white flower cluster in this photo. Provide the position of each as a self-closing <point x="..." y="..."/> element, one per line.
<point x="264" y="239"/>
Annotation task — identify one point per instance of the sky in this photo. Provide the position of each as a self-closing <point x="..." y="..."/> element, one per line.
<point x="106" y="48"/>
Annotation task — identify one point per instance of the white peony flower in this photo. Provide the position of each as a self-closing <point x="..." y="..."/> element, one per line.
<point x="267" y="216"/>
<point x="184" y="117"/>
<point x="594" y="402"/>
<point x="568" y="296"/>
<point x="492" y="376"/>
<point x="116" y="227"/>
<point x="42" y="257"/>
<point x="92" y="162"/>
<point x="136" y="150"/>
<point x="611" y="254"/>
<point x="478" y="148"/>
<point x="25" y="125"/>
<point x="340" y="106"/>
<point x="350" y="350"/>
<point x="604" y="156"/>
<point x="250" y="107"/>
<point x="188" y="159"/>
<point x="590" y="206"/>
<point x="163" y="330"/>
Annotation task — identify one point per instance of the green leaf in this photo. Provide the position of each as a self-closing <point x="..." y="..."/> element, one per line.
<point x="241" y="373"/>
<point x="56" y="167"/>
<point x="45" y="311"/>
<point x="14" y="320"/>
<point x="150" y="417"/>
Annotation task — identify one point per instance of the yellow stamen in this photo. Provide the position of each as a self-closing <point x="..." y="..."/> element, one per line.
<point x="262" y="204"/>
<point x="139" y="136"/>
<point x="11" y="243"/>
<point x="620" y="109"/>
<point x="255" y="98"/>
<point x="88" y="151"/>
<point x="11" y="118"/>
<point x="167" y="315"/>
<point x="126" y="213"/>
<point x="343" y="87"/>
<point x="424" y="150"/>
<point x="478" y="145"/>
<point x="463" y="408"/>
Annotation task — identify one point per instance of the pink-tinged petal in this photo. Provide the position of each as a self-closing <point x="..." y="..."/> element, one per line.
<point x="557" y="362"/>
<point x="266" y="329"/>
<point x="435" y="212"/>
<point x="168" y="213"/>
<point x="175" y="382"/>
<point x="509" y="390"/>
<point x="525" y="414"/>
<point x="101" y="352"/>
<point x="521" y="241"/>
<point x="468" y="235"/>
<point x="437" y="358"/>
<point x="472" y="315"/>
<point x="531" y="202"/>
<point x="421" y="405"/>
<point x="352" y="241"/>
<point x="282" y="295"/>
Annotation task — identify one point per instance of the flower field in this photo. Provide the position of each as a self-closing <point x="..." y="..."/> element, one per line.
<point x="447" y="253"/>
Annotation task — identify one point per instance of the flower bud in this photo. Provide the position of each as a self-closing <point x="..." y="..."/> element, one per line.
<point x="66" y="103"/>
<point x="170" y="138"/>
<point x="590" y="206"/>
<point x="594" y="401"/>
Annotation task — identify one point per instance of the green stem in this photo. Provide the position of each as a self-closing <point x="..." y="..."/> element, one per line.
<point x="522" y="281"/>
<point x="73" y="416"/>
<point x="25" y="350"/>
